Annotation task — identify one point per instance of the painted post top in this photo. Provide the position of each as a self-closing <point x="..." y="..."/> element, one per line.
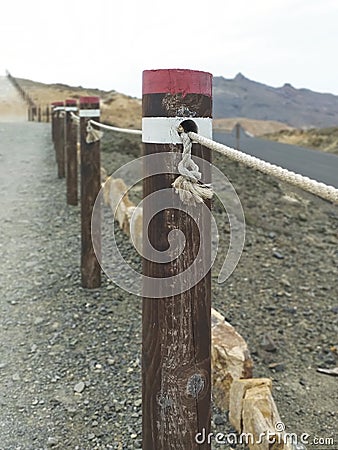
<point x="177" y="81"/>
<point x="89" y="100"/>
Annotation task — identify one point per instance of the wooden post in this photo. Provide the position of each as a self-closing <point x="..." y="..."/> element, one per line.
<point x="39" y="114"/>
<point x="47" y="114"/>
<point x="71" y="153"/>
<point x="90" y="188"/>
<point x="60" y="138"/>
<point x="29" y="113"/>
<point x="54" y="122"/>
<point x="238" y="135"/>
<point x="176" y="370"/>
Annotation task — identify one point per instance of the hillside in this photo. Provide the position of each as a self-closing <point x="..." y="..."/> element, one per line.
<point x="325" y="139"/>
<point x="259" y="108"/>
<point x="117" y="109"/>
<point x="254" y="127"/>
<point x="241" y="97"/>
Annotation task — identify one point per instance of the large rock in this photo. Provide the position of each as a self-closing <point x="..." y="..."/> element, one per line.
<point x="230" y="359"/>
<point x="254" y="415"/>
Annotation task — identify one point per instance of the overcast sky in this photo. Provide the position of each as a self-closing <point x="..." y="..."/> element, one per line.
<point x="107" y="44"/>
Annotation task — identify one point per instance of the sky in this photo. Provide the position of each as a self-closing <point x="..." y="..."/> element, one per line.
<point x="106" y="44"/>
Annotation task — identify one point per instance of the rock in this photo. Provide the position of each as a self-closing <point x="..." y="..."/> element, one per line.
<point x="268" y="343"/>
<point x="230" y="359"/>
<point x="138" y="402"/>
<point x="254" y="412"/>
<point x="219" y="420"/>
<point x="52" y="441"/>
<point x="277" y="367"/>
<point x="278" y="255"/>
<point x="79" y="387"/>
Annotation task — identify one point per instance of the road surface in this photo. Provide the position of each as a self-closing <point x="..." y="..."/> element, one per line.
<point x="315" y="164"/>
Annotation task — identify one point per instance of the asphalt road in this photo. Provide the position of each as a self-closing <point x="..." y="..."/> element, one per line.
<point x="315" y="164"/>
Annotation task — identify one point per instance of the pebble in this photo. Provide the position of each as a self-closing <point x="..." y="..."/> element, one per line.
<point x="277" y="367"/>
<point x="79" y="387"/>
<point x="138" y="402"/>
<point x="52" y="441"/>
<point x="268" y="343"/>
<point x="219" y="420"/>
<point x="278" y="255"/>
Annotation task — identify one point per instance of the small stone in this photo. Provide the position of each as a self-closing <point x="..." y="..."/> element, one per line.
<point x="91" y="436"/>
<point x="38" y="320"/>
<point x="52" y="441"/>
<point x="219" y="420"/>
<point x="95" y="423"/>
<point x="35" y="402"/>
<point x="268" y="343"/>
<point x="138" y="402"/>
<point x="79" y="387"/>
<point x="133" y="435"/>
<point x="277" y="367"/>
<point x="278" y="255"/>
<point x="16" y="377"/>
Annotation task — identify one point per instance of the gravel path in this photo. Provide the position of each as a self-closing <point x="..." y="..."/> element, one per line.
<point x="69" y="372"/>
<point x="70" y="358"/>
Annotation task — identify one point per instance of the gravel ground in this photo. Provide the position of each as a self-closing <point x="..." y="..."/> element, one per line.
<point x="69" y="369"/>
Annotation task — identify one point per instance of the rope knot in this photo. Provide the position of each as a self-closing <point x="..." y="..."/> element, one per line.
<point x="188" y="185"/>
<point x="93" y="135"/>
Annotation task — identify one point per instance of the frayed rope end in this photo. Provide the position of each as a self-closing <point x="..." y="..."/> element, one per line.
<point x="192" y="192"/>
<point x="92" y="134"/>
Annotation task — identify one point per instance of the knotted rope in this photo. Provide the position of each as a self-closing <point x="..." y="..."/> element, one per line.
<point x="188" y="185"/>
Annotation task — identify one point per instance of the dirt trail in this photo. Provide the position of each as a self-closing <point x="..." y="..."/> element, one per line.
<point x="12" y="107"/>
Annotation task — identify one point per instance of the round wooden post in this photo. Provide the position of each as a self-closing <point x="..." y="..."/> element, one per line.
<point x="47" y="113"/>
<point x="176" y="370"/>
<point x="90" y="188"/>
<point x="60" y="138"/>
<point x="238" y="134"/>
<point x="71" y="152"/>
<point x="55" y="127"/>
<point x="39" y="114"/>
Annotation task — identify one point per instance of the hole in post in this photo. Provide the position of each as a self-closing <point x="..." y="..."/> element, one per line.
<point x="189" y="125"/>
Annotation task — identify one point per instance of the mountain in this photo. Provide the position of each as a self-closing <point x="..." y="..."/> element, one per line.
<point x="241" y="97"/>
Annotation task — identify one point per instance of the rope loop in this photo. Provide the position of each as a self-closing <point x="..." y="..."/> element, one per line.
<point x="188" y="185"/>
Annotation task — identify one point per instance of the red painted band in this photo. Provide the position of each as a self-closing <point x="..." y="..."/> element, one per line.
<point x="85" y="100"/>
<point x="57" y="103"/>
<point x="177" y="81"/>
<point x="71" y="102"/>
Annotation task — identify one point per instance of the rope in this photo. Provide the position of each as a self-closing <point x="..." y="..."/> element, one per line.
<point x="188" y="185"/>
<point x="322" y="190"/>
<point x="110" y="128"/>
<point x="75" y="118"/>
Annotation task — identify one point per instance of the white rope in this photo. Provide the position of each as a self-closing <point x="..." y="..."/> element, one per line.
<point x="75" y="118"/>
<point x="188" y="185"/>
<point x="92" y="134"/>
<point x="110" y="128"/>
<point x="315" y="187"/>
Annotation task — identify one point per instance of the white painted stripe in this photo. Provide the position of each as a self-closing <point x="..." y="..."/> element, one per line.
<point x="89" y="113"/>
<point x="58" y="108"/>
<point x="70" y="108"/>
<point x="163" y="130"/>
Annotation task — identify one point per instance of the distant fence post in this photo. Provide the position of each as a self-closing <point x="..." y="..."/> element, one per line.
<point x="90" y="188"/>
<point x="39" y="113"/>
<point x="238" y="135"/>
<point x="176" y="369"/>
<point x="47" y="113"/>
<point x="60" y="139"/>
<point x="71" y="152"/>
